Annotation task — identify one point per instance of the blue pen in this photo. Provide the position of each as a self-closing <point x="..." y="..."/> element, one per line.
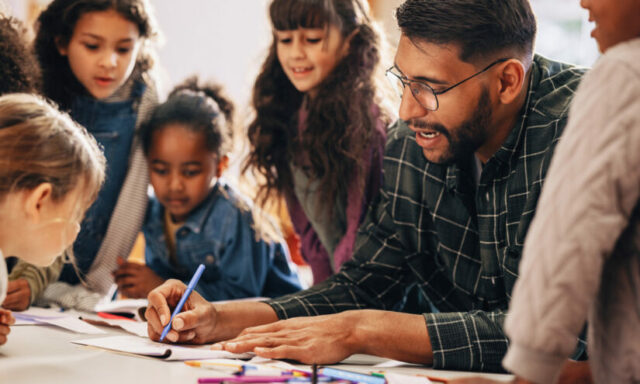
<point x="352" y="376"/>
<point x="183" y="299"/>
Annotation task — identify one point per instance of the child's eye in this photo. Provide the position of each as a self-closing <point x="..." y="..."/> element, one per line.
<point x="124" y="50"/>
<point x="91" y="47"/>
<point x="191" y="172"/>
<point x="314" y="41"/>
<point x="285" y="40"/>
<point x="159" y="171"/>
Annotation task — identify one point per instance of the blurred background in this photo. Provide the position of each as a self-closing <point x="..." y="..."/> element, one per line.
<point x="226" y="40"/>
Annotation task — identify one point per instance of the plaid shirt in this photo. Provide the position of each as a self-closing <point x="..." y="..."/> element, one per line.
<point x="459" y="244"/>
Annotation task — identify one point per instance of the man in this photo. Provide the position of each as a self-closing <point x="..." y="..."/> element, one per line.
<point x="461" y="182"/>
<point x="582" y="257"/>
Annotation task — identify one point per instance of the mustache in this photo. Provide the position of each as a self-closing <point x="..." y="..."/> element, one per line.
<point x="421" y="124"/>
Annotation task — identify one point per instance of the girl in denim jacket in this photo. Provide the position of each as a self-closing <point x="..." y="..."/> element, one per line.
<point x="195" y="217"/>
<point x="95" y="63"/>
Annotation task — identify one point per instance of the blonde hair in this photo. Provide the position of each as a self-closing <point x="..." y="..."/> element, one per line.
<point x="39" y="144"/>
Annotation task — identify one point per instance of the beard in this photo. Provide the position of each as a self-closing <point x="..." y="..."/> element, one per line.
<point x="467" y="137"/>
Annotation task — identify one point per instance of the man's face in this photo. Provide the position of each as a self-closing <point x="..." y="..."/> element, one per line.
<point x="462" y="123"/>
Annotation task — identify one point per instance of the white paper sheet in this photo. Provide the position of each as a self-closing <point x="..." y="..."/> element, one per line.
<point x="40" y="316"/>
<point x="137" y="328"/>
<point x="146" y="347"/>
<point x="397" y="378"/>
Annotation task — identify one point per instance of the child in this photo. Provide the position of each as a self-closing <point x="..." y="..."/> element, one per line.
<point x="19" y="72"/>
<point x="319" y="131"/>
<point x="582" y="255"/>
<point x="50" y="172"/>
<point x="95" y="63"/>
<point x="196" y="217"/>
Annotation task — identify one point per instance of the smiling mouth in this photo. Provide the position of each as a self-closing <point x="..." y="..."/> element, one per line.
<point x="301" y="69"/>
<point x="429" y="135"/>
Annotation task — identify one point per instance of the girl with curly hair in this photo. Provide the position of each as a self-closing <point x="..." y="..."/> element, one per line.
<point x="96" y="60"/>
<point x="319" y="129"/>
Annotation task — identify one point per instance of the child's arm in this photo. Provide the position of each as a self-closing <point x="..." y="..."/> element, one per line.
<point x="135" y="280"/>
<point x="6" y="319"/>
<point x="27" y="282"/>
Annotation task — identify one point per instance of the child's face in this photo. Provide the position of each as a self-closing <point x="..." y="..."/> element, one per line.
<point x="181" y="169"/>
<point x="40" y="240"/>
<point x="308" y="56"/>
<point x="616" y="20"/>
<point x="102" y="51"/>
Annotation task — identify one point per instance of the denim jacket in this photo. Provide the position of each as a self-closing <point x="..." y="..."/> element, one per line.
<point x="220" y="235"/>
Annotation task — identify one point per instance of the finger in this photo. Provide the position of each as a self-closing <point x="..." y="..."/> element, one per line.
<point x="17" y="286"/>
<point x="6" y="317"/>
<point x="4" y="329"/>
<point x="154" y="327"/>
<point x="286" y="352"/>
<point x="14" y="301"/>
<point x="159" y="298"/>
<point x="266" y="328"/>
<point x="248" y="345"/>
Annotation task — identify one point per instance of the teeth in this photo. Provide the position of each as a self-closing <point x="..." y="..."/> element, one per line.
<point x="298" y="70"/>
<point x="429" y="135"/>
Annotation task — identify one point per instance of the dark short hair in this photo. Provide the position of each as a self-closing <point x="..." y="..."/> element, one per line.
<point x="202" y="108"/>
<point x="481" y="28"/>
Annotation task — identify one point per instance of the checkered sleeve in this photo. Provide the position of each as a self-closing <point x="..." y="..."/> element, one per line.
<point x="473" y="341"/>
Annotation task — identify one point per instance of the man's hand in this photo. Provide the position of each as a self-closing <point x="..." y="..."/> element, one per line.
<point x="310" y="340"/>
<point x="18" y="295"/>
<point x="196" y="322"/>
<point x="135" y="280"/>
<point x="6" y="319"/>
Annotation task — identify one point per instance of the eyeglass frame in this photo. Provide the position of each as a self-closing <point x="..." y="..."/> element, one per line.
<point x="407" y="82"/>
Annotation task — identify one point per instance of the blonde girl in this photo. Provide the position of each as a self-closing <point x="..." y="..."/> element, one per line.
<point x="51" y="170"/>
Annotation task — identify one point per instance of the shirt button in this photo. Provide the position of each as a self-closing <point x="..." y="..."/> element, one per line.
<point x="486" y="196"/>
<point x="209" y="259"/>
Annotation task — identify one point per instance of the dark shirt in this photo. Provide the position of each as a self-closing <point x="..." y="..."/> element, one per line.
<point x="459" y="245"/>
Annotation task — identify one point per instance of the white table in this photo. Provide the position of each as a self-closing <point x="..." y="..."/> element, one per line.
<point x="44" y="354"/>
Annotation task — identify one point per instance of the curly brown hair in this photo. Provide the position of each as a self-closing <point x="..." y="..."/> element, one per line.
<point x="19" y="69"/>
<point x="56" y="24"/>
<point x="340" y="124"/>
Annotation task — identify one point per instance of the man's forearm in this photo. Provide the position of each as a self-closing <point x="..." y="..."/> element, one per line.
<point x="394" y="335"/>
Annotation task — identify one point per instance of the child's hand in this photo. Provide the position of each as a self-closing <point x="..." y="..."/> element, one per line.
<point x="135" y="280"/>
<point x="18" y="295"/>
<point x="6" y="319"/>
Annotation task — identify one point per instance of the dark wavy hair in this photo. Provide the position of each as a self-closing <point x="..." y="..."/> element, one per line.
<point x="19" y="70"/>
<point x="483" y="28"/>
<point x="203" y="108"/>
<point x="340" y="123"/>
<point x="58" y="21"/>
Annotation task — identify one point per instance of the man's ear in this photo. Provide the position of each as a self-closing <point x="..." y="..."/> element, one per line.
<point x="61" y="46"/>
<point x="36" y="199"/>
<point x="511" y="78"/>
<point x="223" y="164"/>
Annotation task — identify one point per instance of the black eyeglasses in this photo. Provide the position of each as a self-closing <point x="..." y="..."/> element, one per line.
<point x="426" y="96"/>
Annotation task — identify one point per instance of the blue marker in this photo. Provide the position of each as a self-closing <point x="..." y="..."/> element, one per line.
<point x="341" y="374"/>
<point x="183" y="299"/>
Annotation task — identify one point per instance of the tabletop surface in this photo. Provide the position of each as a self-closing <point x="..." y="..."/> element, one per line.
<point x="45" y="354"/>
